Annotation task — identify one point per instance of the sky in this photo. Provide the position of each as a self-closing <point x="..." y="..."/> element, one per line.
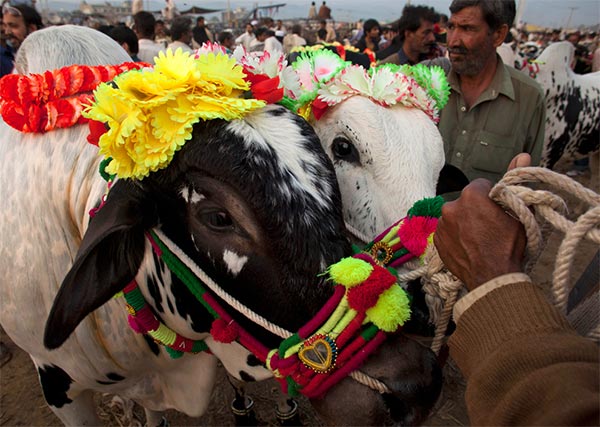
<point x="547" y="13"/>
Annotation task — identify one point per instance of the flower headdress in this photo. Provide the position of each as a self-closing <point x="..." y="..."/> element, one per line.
<point x="327" y="81"/>
<point x="54" y="99"/>
<point x="150" y="113"/>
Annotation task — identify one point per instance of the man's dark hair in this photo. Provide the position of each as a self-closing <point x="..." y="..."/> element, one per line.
<point x="200" y="18"/>
<point x="30" y="15"/>
<point x="224" y="36"/>
<point x="322" y="33"/>
<point x="495" y="12"/>
<point x="369" y="25"/>
<point x="412" y="17"/>
<point x="260" y="31"/>
<point x="179" y="27"/>
<point x="122" y="34"/>
<point x="297" y="29"/>
<point x="144" y="24"/>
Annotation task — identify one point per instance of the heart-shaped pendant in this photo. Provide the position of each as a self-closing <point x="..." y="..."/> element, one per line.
<point x="319" y="353"/>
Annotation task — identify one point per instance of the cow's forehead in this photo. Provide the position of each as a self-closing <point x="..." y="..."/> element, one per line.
<point x="274" y="132"/>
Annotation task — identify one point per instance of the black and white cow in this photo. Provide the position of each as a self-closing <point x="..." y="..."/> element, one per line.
<point x="253" y="201"/>
<point x="572" y="105"/>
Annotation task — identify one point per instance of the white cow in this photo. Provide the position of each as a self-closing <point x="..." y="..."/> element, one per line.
<point x="253" y="201"/>
<point x="572" y="105"/>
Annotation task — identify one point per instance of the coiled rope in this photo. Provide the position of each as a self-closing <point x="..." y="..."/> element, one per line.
<point x="538" y="211"/>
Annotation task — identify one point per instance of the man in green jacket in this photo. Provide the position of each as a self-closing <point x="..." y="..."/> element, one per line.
<point x="494" y="112"/>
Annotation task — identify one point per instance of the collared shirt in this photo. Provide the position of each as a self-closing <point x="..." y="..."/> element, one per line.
<point x="507" y="119"/>
<point x="179" y="44"/>
<point x="148" y="49"/>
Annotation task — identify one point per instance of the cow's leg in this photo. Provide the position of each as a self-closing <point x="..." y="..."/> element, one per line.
<point x="242" y="405"/>
<point x="72" y="405"/>
<point x="155" y="418"/>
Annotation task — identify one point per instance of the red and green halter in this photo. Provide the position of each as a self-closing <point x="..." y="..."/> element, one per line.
<point x="366" y="304"/>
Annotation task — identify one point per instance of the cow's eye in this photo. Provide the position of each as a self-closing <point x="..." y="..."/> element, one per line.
<point x="217" y="220"/>
<point x="344" y="150"/>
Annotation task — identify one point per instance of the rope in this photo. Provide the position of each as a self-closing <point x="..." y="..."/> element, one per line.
<point x="539" y="211"/>
<point x="361" y="377"/>
<point x="370" y="382"/>
<point x="238" y="306"/>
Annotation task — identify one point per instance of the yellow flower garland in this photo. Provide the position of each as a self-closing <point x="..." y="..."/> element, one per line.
<point x="150" y="113"/>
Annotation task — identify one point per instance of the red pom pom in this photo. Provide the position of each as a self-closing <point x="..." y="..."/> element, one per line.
<point x="413" y="233"/>
<point x="223" y="332"/>
<point x="365" y="296"/>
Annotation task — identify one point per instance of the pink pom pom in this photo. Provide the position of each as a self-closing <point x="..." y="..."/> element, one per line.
<point x="414" y="233"/>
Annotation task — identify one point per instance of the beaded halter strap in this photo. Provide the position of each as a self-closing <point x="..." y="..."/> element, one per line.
<point x="366" y="303"/>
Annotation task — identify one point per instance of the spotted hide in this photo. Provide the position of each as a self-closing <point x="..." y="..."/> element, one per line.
<point x="572" y="106"/>
<point x="254" y="202"/>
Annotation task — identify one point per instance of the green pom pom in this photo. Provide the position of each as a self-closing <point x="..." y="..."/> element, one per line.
<point x="173" y="353"/>
<point x="391" y="311"/>
<point x="431" y="207"/>
<point x="105" y="175"/>
<point x="350" y="272"/>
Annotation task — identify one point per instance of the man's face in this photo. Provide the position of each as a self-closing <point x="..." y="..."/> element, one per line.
<point x="421" y="39"/>
<point x="15" y="29"/>
<point x="373" y="33"/>
<point x="249" y="28"/>
<point x="200" y="23"/>
<point x="470" y="41"/>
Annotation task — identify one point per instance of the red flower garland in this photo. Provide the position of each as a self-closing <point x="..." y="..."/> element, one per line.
<point x="53" y="99"/>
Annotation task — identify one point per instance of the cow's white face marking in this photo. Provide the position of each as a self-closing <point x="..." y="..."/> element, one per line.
<point x="234" y="262"/>
<point x="191" y="196"/>
<point x="197" y="197"/>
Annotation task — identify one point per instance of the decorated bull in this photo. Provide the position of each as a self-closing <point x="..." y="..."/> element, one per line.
<point x="220" y="209"/>
<point x="378" y="127"/>
<point x="572" y="105"/>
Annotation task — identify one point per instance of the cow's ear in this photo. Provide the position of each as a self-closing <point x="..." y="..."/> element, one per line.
<point x="451" y="179"/>
<point x="109" y="257"/>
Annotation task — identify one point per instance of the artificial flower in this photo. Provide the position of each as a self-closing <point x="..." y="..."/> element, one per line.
<point x="150" y="113"/>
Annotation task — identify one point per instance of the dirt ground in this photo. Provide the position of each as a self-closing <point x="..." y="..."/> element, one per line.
<point x="22" y="404"/>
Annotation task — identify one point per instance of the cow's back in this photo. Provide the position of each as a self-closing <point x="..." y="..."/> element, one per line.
<point x="47" y="184"/>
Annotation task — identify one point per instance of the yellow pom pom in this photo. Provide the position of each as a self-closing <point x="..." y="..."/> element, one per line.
<point x="392" y="309"/>
<point x="350" y="271"/>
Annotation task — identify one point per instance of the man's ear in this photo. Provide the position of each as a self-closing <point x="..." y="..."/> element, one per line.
<point x="500" y="35"/>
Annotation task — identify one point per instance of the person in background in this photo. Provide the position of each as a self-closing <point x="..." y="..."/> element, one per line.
<point x="201" y="33"/>
<point x="246" y="39"/>
<point x="181" y="33"/>
<point x="226" y="40"/>
<point x="143" y="26"/>
<point x="126" y="37"/>
<point x="524" y="364"/>
<point x="161" y="33"/>
<point x="370" y="38"/>
<point x="312" y="11"/>
<point x="18" y="21"/>
<point x="415" y="38"/>
<point x="290" y="41"/>
<point x="324" y="12"/>
<point x="388" y="34"/>
<point x="494" y="111"/>
<point x="272" y="44"/>
<point x="7" y="57"/>
<point x="258" y="44"/>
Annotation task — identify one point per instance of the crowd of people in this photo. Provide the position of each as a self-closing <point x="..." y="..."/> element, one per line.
<point x="533" y="368"/>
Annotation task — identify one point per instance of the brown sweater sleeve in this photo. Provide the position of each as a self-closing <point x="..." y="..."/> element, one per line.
<point x="523" y="363"/>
